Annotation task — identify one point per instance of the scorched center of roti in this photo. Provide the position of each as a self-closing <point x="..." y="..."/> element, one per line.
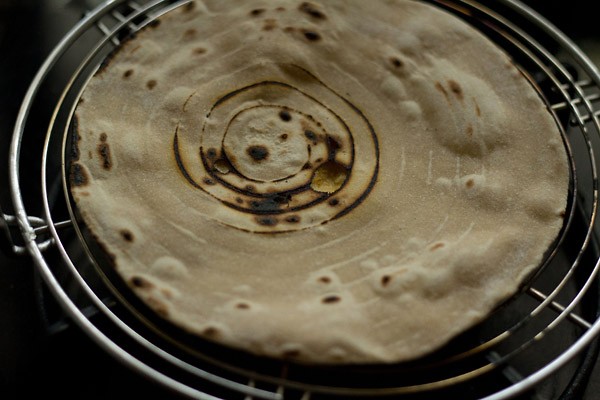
<point x="266" y="144"/>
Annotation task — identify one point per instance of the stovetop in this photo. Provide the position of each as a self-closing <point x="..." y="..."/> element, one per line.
<point x="66" y="363"/>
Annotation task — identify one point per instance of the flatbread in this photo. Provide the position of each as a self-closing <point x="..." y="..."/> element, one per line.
<point x="329" y="182"/>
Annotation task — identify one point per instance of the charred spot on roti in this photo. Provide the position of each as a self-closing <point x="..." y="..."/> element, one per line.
<point x="311" y="36"/>
<point x="310" y="135"/>
<point x="189" y="34"/>
<point x="210" y="153"/>
<point x="208" y="181"/>
<point x="239" y="200"/>
<point x="127" y="235"/>
<point x="477" y="109"/>
<point x="312" y="10"/>
<point x="258" y="152"/>
<point x="266" y="220"/>
<point x="257" y="11"/>
<point x="151" y="84"/>
<point x="470" y="183"/>
<point x="396" y="62"/>
<point x="307" y="166"/>
<point x="269" y="24"/>
<point x="75" y="139"/>
<point x="211" y="331"/>
<point x="455" y="88"/>
<point x="103" y="150"/>
<point x="469" y="130"/>
<point x="158" y="306"/>
<point x="289" y="29"/>
<point x="140" y="282"/>
<point x="331" y="299"/>
<point x="385" y="280"/>
<point x="198" y="50"/>
<point x="78" y="175"/>
<point x="242" y="306"/>
<point x="324" y="279"/>
<point x="334" y="202"/>
<point x="292" y="219"/>
<point x="441" y="88"/>
<point x="437" y="246"/>
<point x="285" y="115"/>
<point x="128" y="73"/>
<point x="283" y="136"/>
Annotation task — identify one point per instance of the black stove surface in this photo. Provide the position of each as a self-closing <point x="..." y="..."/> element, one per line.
<point x="52" y="357"/>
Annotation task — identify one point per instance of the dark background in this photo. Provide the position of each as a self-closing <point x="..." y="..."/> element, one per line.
<point x="31" y="364"/>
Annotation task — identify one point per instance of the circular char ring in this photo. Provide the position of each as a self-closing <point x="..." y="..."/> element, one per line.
<point x="282" y="154"/>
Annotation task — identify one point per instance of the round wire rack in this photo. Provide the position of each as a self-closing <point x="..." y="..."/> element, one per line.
<point x="542" y="331"/>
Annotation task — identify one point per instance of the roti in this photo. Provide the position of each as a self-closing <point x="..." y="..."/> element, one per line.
<point x="329" y="182"/>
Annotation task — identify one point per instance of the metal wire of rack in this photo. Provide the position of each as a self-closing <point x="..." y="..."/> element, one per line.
<point x="561" y="301"/>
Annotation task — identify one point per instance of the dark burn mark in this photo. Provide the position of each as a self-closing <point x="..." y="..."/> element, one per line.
<point x="210" y="331"/>
<point x="280" y="9"/>
<point x="289" y="29"/>
<point x="258" y="153"/>
<point x="139" y="282"/>
<point x="325" y="279"/>
<point x="208" y="181"/>
<point x="285" y="115"/>
<point x="385" y="280"/>
<point x="311" y="36"/>
<point x="257" y="11"/>
<point x="312" y="10"/>
<point x="331" y="299"/>
<point x="211" y="153"/>
<point x="283" y="136"/>
<point x="242" y="306"/>
<point x="562" y="214"/>
<point x="75" y="138"/>
<point x="396" y="62"/>
<point x="127" y="73"/>
<point x="199" y="50"/>
<point x="269" y="24"/>
<point x="272" y="203"/>
<point x="469" y="130"/>
<point x="127" y="235"/>
<point x="333" y="145"/>
<point x="239" y="200"/>
<point x="441" y="88"/>
<point x="334" y="202"/>
<point x="436" y="246"/>
<point x="477" y="109"/>
<point x="151" y="84"/>
<point x="292" y="219"/>
<point x="307" y="166"/>
<point x="456" y="89"/>
<point x="189" y="34"/>
<point x="250" y="188"/>
<point x="103" y="137"/>
<point x="470" y="183"/>
<point x="104" y="153"/>
<point x="78" y="175"/>
<point x="310" y="135"/>
<point x="266" y="220"/>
